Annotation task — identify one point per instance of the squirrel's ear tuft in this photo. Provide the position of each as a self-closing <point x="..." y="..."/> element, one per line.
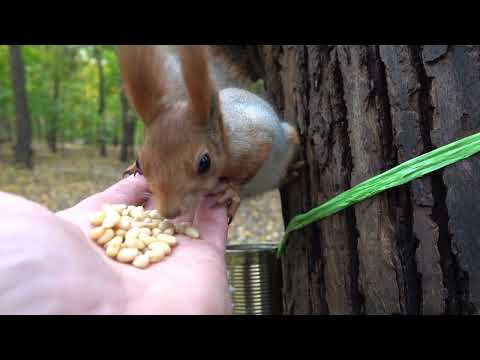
<point x="202" y="94"/>
<point x="144" y="78"/>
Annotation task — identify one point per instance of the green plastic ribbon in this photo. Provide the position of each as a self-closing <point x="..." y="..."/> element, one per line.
<point x="399" y="175"/>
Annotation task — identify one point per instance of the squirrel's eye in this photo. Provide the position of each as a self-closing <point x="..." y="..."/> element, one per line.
<point x="203" y="164"/>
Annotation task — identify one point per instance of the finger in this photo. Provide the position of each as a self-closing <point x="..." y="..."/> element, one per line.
<point x="131" y="191"/>
<point x="150" y="204"/>
<point x="212" y="222"/>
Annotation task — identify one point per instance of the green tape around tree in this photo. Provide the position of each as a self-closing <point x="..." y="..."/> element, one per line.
<point x="399" y="175"/>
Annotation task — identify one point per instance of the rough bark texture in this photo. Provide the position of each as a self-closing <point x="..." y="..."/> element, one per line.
<point x="128" y="135"/>
<point x="23" y="146"/>
<point x="361" y="110"/>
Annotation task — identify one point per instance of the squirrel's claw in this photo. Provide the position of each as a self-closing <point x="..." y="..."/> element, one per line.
<point x="230" y="197"/>
<point x="132" y="170"/>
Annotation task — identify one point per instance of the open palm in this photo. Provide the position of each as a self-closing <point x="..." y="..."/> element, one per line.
<point x="49" y="266"/>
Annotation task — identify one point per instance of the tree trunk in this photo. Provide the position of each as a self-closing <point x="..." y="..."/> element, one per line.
<point x="361" y="110"/>
<point x="23" y="146"/>
<point x="128" y="123"/>
<point x="115" y="134"/>
<point x="101" y="104"/>
<point x="5" y="130"/>
<point x="52" y="127"/>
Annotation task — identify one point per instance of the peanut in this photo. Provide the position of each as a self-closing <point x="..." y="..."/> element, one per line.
<point x="117" y="240"/>
<point x="160" y="245"/>
<point x="97" y="232"/>
<point x="154" y="214"/>
<point x="192" y="232"/>
<point x="137" y="213"/>
<point x="141" y="261"/>
<point x="113" y="250"/>
<point x="155" y="255"/>
<point x="125" y="223"/>
<point x="170" y="240"/>
<point x="169" y="231"/>
<point x="130" y="234"/>
<point x="131" y="242"/>
<point x="180" y="228"/>
<point x="143" y="236"/>
<point x="98" y="218"/>
<point x="127" y="255"/>
<point x="120" y="232"/>
<point x="149" y="239"/>
<point x="137" y="224"/>
<point x="164" y="225"/>
<point x="145" y="231"/>
<point x="135" y="243"/>
<point x="106" y="237"/>
<point x="111" y="220"/>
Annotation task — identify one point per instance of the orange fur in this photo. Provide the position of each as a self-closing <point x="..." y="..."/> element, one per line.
<point x="176" y="135"/>
<point x="144" y="80"/>
<point x="194" y="61"/>
<point x="246" y="166"/>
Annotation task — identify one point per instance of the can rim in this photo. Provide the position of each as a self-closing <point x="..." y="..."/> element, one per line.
<point x="251" y="248"/>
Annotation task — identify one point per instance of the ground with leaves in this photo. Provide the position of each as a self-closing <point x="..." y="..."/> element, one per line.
<point x="60" y="180"/>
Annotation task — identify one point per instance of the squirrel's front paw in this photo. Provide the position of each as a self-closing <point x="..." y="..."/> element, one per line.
<point x="132" y="169"/>
<point x="230" y="196"/>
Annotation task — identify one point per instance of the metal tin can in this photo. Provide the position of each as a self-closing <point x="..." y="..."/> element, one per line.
<point x="255" y="279"/>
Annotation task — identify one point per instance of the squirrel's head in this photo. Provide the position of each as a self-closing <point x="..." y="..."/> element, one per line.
<point x="184" y="149"/>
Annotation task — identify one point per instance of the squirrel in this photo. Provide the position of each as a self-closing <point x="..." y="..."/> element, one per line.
<point x="202" y="140"/>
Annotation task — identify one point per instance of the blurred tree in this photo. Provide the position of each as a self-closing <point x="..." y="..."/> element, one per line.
<point x="53" y="123"/>
<point x="63" y="91"/>
<point x="115" y="133"/>
<point x="128" y="120"/>
<point x="101" y="140"/>
<point x="23" y="146"/>
<point x="61" y="63"/>
<point x="6" y="110"/>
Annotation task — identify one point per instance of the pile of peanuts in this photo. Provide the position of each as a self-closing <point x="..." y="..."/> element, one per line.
<point x="133" y="235"/>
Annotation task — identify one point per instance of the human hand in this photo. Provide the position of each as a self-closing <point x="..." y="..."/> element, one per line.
<point x="49" y="265"/>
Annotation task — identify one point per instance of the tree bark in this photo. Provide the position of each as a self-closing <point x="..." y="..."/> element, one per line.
<point x="361" y="110"/>
<point x="115" y="134"/>
<point x="128" y="122"/>
<point x="101" y="103"/>
<point x="23" y="146"/>
<point x="52" y="124"/>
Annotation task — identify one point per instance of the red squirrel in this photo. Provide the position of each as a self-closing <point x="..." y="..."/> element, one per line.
<point x="203" y="140"/>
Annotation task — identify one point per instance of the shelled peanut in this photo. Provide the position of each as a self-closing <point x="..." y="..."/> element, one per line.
<point x="133" y="235"/>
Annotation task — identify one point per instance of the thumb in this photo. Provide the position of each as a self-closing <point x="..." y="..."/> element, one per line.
<point x="212" y="222"/>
